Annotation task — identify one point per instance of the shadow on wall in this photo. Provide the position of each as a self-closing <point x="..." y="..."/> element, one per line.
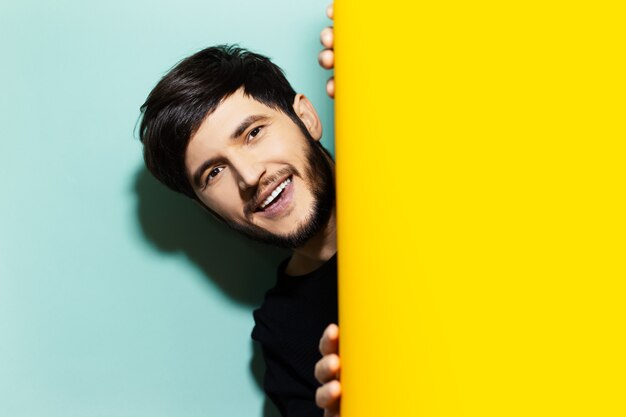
<point x="242" y="268"/>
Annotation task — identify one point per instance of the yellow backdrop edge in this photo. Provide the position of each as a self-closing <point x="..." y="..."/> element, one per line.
<point x="480" y="173"/>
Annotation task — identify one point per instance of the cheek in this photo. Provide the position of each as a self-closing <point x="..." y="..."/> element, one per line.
<point x="290" y="150"/>
<point x="273" y="147"/>
<point x="224" y="200"/>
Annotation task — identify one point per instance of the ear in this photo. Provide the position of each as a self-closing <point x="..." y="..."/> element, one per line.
<point x="306" y="112"/>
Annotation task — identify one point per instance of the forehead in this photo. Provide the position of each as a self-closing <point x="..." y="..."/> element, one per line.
<point x="216" y="129"/>
<point x="228" y="115"/>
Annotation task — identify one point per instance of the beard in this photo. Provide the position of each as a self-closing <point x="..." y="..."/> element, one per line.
<point x="319" y="175"/>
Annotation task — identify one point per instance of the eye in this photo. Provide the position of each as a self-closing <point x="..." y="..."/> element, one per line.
<point x="213" y="173"/>
<point x="254" y="133"/>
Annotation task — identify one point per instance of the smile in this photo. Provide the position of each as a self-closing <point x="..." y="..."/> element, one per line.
<point x="278" y="203"/>
<point x="277" y="191"/>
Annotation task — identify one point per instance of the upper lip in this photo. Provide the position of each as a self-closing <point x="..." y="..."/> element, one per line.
<point x="268" y="190"/>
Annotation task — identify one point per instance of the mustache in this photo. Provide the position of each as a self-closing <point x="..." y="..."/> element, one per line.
<point x="269" y="181"/>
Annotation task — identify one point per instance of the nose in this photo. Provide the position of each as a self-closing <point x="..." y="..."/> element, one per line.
<point x="249" y="172"/>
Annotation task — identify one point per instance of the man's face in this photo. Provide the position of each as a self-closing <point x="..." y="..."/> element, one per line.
<point x="262" y="174"/>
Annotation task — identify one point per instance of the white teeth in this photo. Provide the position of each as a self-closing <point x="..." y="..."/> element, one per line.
<point x="275" y="193"/>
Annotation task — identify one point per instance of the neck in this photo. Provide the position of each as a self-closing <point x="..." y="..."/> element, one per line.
<point x="316" y="251"/>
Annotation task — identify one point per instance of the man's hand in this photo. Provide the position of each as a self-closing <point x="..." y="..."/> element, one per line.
<point x="327" y="373"/>
<point x="327" y="56"/>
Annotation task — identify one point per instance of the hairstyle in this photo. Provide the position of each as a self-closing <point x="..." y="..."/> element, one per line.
<point x="192" y="90"/>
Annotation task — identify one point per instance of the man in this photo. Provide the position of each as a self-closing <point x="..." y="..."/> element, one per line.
<point x="225" y="128"/>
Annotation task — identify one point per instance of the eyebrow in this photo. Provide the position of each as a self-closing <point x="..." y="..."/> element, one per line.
<point x="245" y="124"/>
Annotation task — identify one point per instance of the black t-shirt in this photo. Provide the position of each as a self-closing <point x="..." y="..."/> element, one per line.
<point x="289" y="326"/>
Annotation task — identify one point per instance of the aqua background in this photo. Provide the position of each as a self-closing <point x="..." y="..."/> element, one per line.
<point x="117" y="297"/>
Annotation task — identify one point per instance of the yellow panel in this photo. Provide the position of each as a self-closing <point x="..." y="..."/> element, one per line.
<point x="481" y="178"/>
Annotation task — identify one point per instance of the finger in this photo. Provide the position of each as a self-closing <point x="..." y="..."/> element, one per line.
<point x="330" y="11"/>
<point x="330" y="87"/>
<point x="327" y="37"/>
<point x="328" y="413"/>
<point x="327" y="396"/>
<point x="326" y="58"/>
<point x="327" y="368"/>
<point x="330" y="340"/>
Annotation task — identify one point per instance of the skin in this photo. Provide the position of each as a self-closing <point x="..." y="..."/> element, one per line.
<point x="249" y="166"/>
<point x="246" y="168"/>
<point x="327" y="369"/>
<point x="326" y="57"/>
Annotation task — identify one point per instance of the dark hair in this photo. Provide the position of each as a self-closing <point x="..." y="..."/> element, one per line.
<point x="192" y="90"/>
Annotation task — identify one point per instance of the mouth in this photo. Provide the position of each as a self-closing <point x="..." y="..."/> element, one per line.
<point x="273" y="202"/>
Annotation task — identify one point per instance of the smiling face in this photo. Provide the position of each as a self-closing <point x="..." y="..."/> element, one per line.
<point x="261" y="173"/>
